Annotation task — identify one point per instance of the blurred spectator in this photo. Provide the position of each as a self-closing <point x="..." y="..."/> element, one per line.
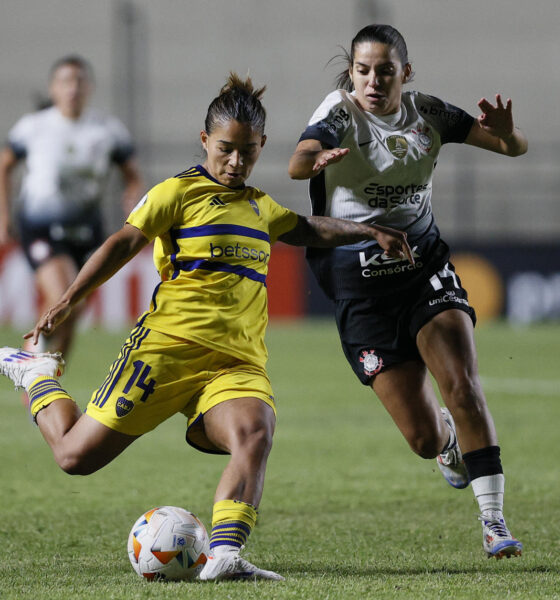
<point x="68" y="149"/>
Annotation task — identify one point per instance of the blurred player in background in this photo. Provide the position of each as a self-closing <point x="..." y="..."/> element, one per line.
<point x="68" y="150"/>
<point x="199" y="349"/>
<point x="370" y="150"/>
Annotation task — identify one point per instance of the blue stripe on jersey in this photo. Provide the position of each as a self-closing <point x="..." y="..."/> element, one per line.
<point x="154" y="303"/>
<point x="208" y="265"/>
<point x="173" y="257"/>
<point x="133" y="343"/>
<point x="221" y="229"/>
<point x="192" y="172"/>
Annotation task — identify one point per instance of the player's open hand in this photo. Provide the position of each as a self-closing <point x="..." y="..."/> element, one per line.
<point x="394" y="243"/>
<point x="328" y="157"/>
<point x="49" y="321"/>
<point x="496" y="120"/>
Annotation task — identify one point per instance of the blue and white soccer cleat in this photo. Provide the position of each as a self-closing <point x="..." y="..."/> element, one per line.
<point x="229" y="565"/>
<point x="496" y="537"/>
<point x="24" y="367"/>
<point x="450" y="462"/>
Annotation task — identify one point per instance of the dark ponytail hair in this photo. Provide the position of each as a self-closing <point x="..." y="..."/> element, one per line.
<point x="239" y="101"/>
<point x="383" y="34"/>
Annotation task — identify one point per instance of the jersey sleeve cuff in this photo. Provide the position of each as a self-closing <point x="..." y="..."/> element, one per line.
<point x="321" y="132"/>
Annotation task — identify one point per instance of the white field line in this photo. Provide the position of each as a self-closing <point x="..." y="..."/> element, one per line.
<point x="521" y="386"/>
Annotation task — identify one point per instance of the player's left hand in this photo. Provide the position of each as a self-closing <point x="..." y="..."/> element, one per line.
<point x="49" y="321"/>
<point x="496" y="120"/>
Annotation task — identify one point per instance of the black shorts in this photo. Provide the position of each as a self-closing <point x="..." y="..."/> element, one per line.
<point x="379" y="332"/>
<point x="42" y="242"/>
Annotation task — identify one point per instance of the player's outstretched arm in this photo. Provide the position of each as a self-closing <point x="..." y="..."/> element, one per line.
<point x="8" y="161"/>
<point x="109" y="258"/>
<point x="327" y="232"/>
<point x="310" y="158"/>
<point x="494" y="129"/>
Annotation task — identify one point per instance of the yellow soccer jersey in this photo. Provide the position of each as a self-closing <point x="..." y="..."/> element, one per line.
<point x="212" y="248"/>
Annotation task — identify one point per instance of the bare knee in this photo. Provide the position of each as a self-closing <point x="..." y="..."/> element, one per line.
<point x="76" y="464"/>
<point x="464" y="396"/>
<point x="259" y="440"/>
<point x="254" y="440"/>
<point x="425" y="445"/>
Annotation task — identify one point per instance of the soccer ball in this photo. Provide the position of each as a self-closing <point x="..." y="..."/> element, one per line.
<point x="168" y="543"/>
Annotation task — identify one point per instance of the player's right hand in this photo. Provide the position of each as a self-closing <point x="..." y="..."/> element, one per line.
<point x="328" y="157"/>
<point x="49" y="321"/>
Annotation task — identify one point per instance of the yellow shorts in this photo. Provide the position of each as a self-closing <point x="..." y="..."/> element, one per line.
<point x="157" y="375"/>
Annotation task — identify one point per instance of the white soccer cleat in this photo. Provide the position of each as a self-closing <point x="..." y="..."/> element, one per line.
<point x="496" y="537"/>
<point x="24" y="367"/>
<point x="231" y="566"/>
<point x="451" y="462"/>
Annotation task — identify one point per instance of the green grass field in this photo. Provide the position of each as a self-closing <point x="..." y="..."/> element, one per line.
<point x="348" y="511"/>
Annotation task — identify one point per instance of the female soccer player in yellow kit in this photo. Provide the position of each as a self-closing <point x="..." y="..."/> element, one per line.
<point x="199" y="348"/>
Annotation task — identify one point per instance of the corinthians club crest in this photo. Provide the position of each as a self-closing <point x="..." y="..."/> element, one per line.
<point x="372" y="363"/>
<point x="424" y="137"/>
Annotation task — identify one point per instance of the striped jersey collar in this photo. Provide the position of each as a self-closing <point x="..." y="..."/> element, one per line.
<point x="204" y="172"/>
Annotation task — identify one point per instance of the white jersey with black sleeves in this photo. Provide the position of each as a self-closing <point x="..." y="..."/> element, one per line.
<point x="387" y="176"/>
<point x="385" y="179"/>
<point x="67" y="161"/>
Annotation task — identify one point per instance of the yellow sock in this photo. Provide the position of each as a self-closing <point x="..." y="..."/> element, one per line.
<point x="42" y="392"/>
<point x="232" y="522"/>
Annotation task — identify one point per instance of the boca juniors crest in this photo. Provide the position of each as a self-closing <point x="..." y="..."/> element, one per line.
<point x="123" y="406"/>
<point x="255" y="206"/>
<point x="372" y="363"/>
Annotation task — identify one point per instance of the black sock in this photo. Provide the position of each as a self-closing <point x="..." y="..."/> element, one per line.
<point x="482" y="462"/>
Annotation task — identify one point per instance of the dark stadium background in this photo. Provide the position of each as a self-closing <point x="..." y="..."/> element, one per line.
<point x="158" y="64"/>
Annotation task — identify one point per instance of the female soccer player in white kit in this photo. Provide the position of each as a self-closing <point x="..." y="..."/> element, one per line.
<point x="68" y="150"/>
<point x="370" y="150"/>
